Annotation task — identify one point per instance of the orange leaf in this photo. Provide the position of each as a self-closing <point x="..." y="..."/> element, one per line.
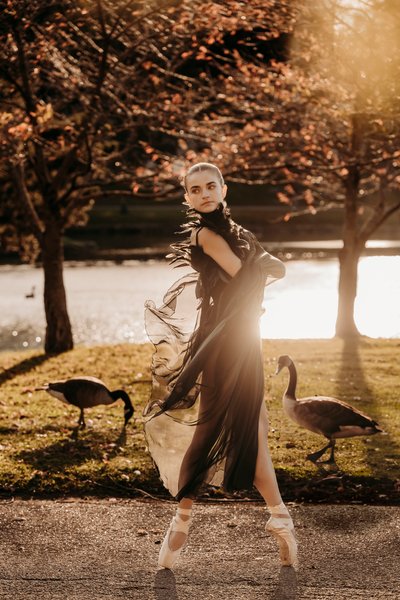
<point x="283" y="198"/>
<point x="308" y="197"/>
<point x="289" y="189"/>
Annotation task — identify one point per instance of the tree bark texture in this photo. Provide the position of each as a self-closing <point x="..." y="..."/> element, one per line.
<point x="348" y="265"/>
<point x="58" y="330"/>
<point x="348" y="261"/>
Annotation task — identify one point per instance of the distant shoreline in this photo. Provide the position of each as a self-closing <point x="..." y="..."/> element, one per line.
<point x="288" y="250"/>
<point x="297" y="250"/>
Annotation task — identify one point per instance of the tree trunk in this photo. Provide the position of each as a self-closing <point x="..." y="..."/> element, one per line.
<point x="348" y="264"/>
<point x="58" y="327"/>
<point x="348" y="260"/>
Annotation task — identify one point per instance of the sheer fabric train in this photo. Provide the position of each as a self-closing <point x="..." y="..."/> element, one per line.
<point x="201" y="422"/>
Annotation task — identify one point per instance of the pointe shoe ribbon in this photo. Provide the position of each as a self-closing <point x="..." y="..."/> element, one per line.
<point x="168" y="557"/>
<point x="281" y="527"/>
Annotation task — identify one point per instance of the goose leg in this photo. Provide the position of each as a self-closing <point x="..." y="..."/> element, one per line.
<point x="81" y="421"/>
<point x="331" y="459"/>
<point x="316" y="455"/>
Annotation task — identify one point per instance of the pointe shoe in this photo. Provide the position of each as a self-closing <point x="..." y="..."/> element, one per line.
<point x="168" y="557"/>
<point x="282" y="528"/>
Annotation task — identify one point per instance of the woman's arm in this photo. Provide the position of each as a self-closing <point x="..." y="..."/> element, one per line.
<point x="274" y="267"/>
<point x="215" y="246"/>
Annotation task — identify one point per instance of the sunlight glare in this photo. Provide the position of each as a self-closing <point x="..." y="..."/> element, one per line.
<point x="305" y="304"/>
<point x="377" y="313"/>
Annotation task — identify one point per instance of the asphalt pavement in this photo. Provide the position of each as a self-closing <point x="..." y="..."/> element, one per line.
<point x="107" y="549"/>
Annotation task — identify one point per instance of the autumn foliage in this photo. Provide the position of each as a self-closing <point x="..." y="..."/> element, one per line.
<point x="100" y="93"/>
<point x="120" y="96"/>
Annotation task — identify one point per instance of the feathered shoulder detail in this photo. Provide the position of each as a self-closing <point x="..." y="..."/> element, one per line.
<point x="220" y="221"/>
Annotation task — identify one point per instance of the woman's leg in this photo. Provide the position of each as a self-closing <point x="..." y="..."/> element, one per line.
<point x="265" y="478"/>
<point x="176" y="535"/>
<point x="280" y="524"/>
<point x="204" y="436"/>
<point x="205" y="433"/>
<point x="177" y="538"/>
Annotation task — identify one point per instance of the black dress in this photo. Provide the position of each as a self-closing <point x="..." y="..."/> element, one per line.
<point x="207" y="370"/>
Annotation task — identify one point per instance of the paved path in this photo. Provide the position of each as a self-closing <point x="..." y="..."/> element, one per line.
<point x="81" y="550"/>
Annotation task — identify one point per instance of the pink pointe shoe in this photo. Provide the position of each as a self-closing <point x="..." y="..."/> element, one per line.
<point x="168" y="557"/>
<point x="281" y="526"/>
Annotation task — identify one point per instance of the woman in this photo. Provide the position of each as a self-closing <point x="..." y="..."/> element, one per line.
<point x="207" y="421"/>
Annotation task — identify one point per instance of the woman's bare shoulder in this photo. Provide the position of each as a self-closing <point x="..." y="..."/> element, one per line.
<point x="194" y="235"/>
<point x="206" y="236"/>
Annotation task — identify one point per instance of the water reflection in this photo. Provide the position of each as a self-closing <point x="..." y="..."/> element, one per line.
<point x="105" y="301"/>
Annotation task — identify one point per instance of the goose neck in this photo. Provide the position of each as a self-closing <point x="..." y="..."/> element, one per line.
<point x="123" y="395"/>
<point x="291" y="388"/>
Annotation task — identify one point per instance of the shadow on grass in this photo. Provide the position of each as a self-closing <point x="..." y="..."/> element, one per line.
<point x="23" y="367"/>
<point x="52" y="428"/>
<point x="351" y="369"/>
<point x="73" y="451"/>
<point x="119" y="443"/>
<point x="339" y="488"/>
<point x="8" y="430"/>
<point x="343" y="489"/>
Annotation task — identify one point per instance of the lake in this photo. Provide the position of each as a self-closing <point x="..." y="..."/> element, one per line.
<point x="105" y="300"/>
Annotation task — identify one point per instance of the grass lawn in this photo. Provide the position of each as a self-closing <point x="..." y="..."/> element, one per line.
<point x="41" y="453"/>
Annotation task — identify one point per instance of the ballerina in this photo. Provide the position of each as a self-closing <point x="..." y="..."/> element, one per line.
<point x="206" y="421"/>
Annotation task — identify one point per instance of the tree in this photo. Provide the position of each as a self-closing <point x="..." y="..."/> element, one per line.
<point x="328" y="135"/>
<point x="105" y="91"/>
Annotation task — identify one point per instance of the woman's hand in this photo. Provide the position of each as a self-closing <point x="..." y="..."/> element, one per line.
<point x="219" y="250"/>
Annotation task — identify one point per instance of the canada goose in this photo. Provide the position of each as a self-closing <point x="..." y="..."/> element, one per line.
<point x="324" y="415"/>
<point x="32" y="294"/>
<point x="85" y="392"/>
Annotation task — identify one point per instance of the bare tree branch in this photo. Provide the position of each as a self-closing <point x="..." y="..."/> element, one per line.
<point x="25" y="200"/>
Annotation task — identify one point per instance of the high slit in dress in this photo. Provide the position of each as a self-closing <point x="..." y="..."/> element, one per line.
<point x="201" y="422"/>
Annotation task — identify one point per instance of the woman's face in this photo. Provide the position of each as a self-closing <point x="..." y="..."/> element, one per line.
<point x="204" y="191"/>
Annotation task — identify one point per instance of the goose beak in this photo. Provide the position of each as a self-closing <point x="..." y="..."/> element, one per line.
<point x="278" y="370"/>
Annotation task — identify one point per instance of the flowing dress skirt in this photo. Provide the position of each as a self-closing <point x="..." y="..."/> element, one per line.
<point x="208" y="384"/>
